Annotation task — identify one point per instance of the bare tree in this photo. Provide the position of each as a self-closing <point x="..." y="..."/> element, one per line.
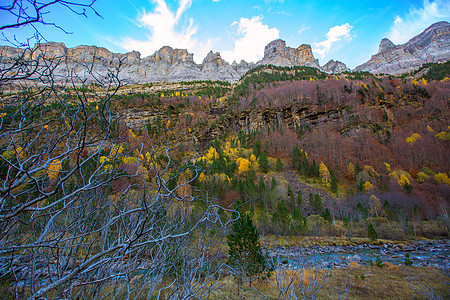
<point x="32" y="15"/>
<point x="82" y="213"/>
<point x="422" y="285"/>
<point x="300" y="281"/>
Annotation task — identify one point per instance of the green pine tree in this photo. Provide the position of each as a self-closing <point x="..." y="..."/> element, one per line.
<point x="326" y="215"/>
<point x="274" y="184"/>
<point x="317" y="204"/>
<point x="371" y="233"/>
<point x="264" y="162"/>
<point x="279" y="165"/>
<point x="257" y="148"/>
<point x="334" y="185"/>
<point x="245" y="255"/>
<point x="299" y="198"/>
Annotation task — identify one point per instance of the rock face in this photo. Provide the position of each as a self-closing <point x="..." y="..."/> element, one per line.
<point x="431" y="45"/>
<point x="166" y="64"/>
<point x="276" y="53"/>
<point x="172" y="65"/>
<point x="334" y="67"/>
<point x="215" y="68"/>
<point x="243" y="67"/>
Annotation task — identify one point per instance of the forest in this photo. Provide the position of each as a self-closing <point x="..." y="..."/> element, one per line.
<point x="206" y="189"/>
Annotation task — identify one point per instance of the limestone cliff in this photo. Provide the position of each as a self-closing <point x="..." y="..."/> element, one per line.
<point x="214" y="67"/>
<point x="166" y="64"/>
<point x="278" y="54"/>
<point x="431" y="45"/>
<point x="334" y="67"/>
<point x="172" y="65"/>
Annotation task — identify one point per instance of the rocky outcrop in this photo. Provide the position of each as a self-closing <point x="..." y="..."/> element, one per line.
<point x="88" y="63"/>
<point x="276" y="53"/>
<point x="431" y="45"/>
<point x="165" y="65"/>
<point x="215" y="68"/>
<point x="334" y="67"/>
<point x="168" y="64"/>
<point x="243" y="67"/>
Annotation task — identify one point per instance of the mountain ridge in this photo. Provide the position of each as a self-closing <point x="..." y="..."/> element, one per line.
<point x="173" y="65"/>
<point x="431" y="45"/>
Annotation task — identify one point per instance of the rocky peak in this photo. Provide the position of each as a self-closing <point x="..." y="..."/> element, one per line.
<point x="276" y="46"/>
<point x="385" y="45"/>
<point x="49" y="50"/>
<point x="171" y="56"/>
<point x="277" y="53"/>
<point x="334" y="67"/>
<point x="433" y="32"/>
<point x="431" y="45"/>
<point x="243" y="67"/>
<point x="213" y="58"/>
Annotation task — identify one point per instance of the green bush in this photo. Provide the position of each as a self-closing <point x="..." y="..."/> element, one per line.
<point x="379" y="262"/>
<point x="371" y="233"/>
<point x="408" y="261"/>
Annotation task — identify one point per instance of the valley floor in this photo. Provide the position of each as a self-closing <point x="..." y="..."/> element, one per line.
<point x="353" y="282"/>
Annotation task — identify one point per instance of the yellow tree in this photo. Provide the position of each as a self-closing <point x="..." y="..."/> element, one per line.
<point x="324" y="173"/>
<point x="351" y="170"/>
<point x="244" y="165"/>
<point x="375" y="207"/>
<point x="54" y="168"/>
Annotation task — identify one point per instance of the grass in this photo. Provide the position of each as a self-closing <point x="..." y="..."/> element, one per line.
<point x="360" y="282"/>
<point x="270" y="241"/>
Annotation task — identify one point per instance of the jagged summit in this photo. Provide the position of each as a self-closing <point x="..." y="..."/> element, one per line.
<point x="431" y="45"/>
<point x="278" y="54"/>
<point x="334" y="67"/>
<point x="169" y="64"/>
<point x="385" y="45"/>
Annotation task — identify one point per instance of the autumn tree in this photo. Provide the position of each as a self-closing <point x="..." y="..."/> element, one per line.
<point x="324" y="173"/>
<point x="83" y="204"/>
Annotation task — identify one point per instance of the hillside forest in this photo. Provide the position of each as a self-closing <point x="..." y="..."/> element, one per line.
<point x="213" y="190"/>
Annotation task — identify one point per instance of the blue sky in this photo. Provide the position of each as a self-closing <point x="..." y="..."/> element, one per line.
<point x="349" y="31"/>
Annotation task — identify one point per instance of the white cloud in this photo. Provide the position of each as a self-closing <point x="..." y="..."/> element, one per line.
<point x="166" y="29"/>
<point x="303" y="28"/>
<point x="254" y="36"/>
<point x="417" y="19"/>
<point x="335" y="34"/>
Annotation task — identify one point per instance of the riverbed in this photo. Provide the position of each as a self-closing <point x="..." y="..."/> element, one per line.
<point x="422" y="253"/>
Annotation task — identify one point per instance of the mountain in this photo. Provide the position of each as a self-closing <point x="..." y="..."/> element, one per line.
<point x="276" y="53"/>
<point x="174" y="65"/>
<point x="166" y="64"/>
<point x="334" y="67"/>
<point x="431" y="45"/>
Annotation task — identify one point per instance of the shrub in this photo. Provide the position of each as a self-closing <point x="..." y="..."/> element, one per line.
<point x="371" y="233"/>
<point x="379" y="262"/>
<point x="408" y="261"/>
<point x="279" y="165"/>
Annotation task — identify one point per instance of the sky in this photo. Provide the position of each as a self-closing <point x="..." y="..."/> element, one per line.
<point x="348" y="31"/>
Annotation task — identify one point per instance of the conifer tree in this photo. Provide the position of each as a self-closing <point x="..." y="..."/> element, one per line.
<point x="245" y="255"/>
<point x="274" y="184"/>
<point x="327" y="215"/>
<point x="279" y="165"/>
<point x="264" y="162"/>
<point x="371" y="233"/>
<point x="299" y="198"/>
<point x="257" y="148"/>
<point x="333" y="183"/>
